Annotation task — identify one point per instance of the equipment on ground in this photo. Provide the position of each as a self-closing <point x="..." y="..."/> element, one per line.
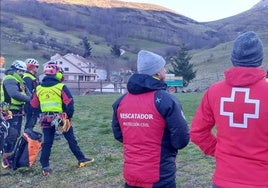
<point x="26" y="150"/>
<point x="65" y="125"/>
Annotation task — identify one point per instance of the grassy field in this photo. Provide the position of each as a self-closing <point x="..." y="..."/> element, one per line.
<point x="92" y="122"/>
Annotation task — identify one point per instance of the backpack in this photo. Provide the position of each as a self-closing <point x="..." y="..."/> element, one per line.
<point x="26" y="149"/>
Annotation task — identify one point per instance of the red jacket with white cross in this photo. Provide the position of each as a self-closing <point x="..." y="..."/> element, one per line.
<point x="231" y="124"/>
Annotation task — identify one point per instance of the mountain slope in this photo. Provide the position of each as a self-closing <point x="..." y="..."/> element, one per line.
<point x="119" y="21"/>
<point x="117" y="24"/>
<point x="110" y="4"/>
<point x="253" y="19"/>
<point x="44" y="27"/>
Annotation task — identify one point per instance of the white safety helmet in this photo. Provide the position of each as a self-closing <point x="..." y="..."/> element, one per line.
<point x="20" y="65"/>
<point x="32" y="61"/>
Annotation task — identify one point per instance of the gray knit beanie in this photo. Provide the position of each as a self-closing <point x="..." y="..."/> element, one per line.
<point x="149" y="63"/>
<point x="247" y="50"/>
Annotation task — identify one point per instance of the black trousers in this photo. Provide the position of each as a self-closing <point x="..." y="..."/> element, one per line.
<point x="49" y="133"/>
<point x="14" y="131"/>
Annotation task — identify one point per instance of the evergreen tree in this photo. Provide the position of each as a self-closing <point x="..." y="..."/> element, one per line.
<point x="87" y="47"/>
<point x="115" y="50"/>
<point x="181" y="66"/>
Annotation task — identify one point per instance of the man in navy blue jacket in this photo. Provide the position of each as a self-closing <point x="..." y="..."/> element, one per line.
<point x="150" y="123"/>
<point x="31" y="82"/>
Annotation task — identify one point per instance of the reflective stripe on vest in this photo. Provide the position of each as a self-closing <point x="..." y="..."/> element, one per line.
<point x="50" y="98"/>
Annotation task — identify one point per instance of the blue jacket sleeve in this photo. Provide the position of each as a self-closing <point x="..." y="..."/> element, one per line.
<point x="170" y="108"/>
<point x="115" y="123"/>
<point x="29" y="84"/>
<point x="67" y="102"/>
<point x="13" y="91"/>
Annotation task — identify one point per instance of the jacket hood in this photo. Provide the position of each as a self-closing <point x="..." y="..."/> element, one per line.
<point x="244" y="76"/>
<point x="142" y="83"/>
<point x="14" y="74"/>
<point x="10" y="71"/>
<point x="49" y="81"/>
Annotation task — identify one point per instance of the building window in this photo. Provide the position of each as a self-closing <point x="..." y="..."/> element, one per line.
<point x="66" y="69"/>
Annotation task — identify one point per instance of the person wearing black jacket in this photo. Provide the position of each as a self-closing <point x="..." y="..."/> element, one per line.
<point x="31" y="82"/>
<point x="55" y="102"/>
<point x="150" y="123"/>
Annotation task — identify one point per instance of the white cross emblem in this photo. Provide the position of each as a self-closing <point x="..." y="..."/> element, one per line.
<point x="246" y="116"/>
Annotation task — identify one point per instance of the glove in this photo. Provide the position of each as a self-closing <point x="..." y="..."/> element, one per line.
<point x="64" y="125"/>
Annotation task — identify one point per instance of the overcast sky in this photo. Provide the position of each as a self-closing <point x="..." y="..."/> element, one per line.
<point x="204" y="10"/>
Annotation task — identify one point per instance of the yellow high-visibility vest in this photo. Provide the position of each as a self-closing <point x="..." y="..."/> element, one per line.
<point x="12" y="102"/>
<point x="50" y="98"/>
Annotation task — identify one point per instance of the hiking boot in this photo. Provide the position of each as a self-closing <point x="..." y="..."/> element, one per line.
<point x="84" y="162"/>
<point x="46" y="171"/>
<point x="5" y="163"/>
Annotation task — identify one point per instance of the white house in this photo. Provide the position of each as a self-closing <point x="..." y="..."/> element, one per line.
<point x="76" y="68"/>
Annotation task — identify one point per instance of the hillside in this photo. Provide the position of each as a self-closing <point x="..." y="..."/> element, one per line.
<point x="41" y="28"/>
<point x="252" y="19"/>
<point x="116" y="24"/>
<point x="110" y="4"/>
<point x="212" y="63"/>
